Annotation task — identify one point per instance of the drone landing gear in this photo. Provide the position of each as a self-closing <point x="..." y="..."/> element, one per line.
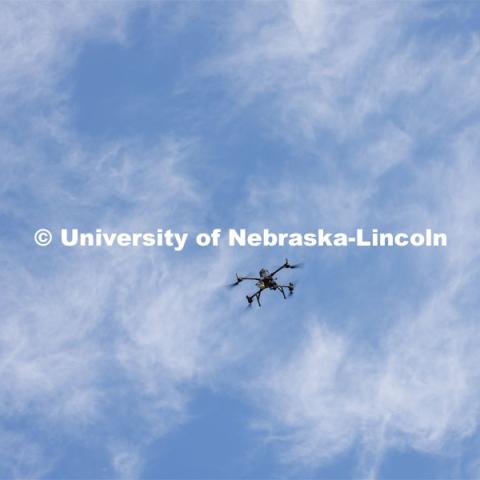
<point x="290" y="288"/>
<point x="255" y="295"/>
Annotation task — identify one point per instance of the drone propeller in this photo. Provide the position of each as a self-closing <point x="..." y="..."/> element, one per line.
<point x="250" y="276"/>
<point x="295" y="265"/>
<point x="236" y="282"/>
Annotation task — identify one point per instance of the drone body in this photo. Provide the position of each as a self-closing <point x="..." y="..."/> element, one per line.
<point x="267" y="281"/>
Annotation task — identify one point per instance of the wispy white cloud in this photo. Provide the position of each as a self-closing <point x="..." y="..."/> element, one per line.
<point x="73" y="323"/>
<point x="74" y="319"/>
<point x="21" y="458"/>
<point x="40" y="41"/>
<point x="127" y="463"/>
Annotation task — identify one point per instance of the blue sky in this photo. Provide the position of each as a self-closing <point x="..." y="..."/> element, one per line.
<point x="139" y="363"/>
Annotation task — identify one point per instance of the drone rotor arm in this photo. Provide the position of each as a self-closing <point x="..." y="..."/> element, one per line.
<point x="285" y="265"/>
<point x="240" y="279"/>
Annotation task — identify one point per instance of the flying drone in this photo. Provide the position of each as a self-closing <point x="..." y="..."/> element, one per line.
<point x="267" y="280"/>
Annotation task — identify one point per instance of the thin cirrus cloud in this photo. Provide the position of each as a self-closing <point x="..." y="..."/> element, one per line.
<point x="379" y="124"/>
<point x="70" y="322"/>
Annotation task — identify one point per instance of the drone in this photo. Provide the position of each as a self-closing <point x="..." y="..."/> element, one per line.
<point x="267" y="280"/>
